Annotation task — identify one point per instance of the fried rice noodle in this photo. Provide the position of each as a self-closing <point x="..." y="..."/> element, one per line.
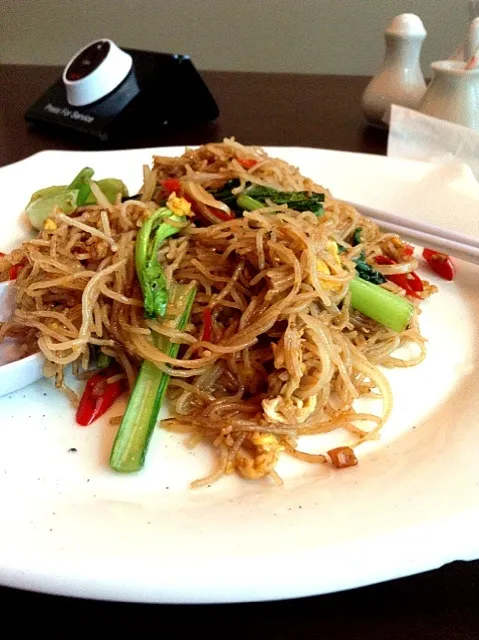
<point x="285" y="355"/>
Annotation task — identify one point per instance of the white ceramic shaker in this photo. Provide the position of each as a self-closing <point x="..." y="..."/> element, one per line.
<point x="400" y="79"/>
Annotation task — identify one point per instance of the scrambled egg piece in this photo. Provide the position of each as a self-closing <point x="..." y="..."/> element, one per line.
<point x="50" y="225"/>
<point x="274" y="409"/>
<point x="264" y="459"/>
<point x="265" y="441"/>
<point x="179" y="206"/>
<point x="322" y="267"/>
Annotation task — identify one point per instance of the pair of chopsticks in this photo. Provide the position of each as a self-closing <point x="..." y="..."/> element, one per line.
<point x="455" y="244"/>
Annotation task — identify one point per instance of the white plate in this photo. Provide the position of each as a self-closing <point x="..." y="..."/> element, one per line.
<point x="15" y="374"/>
<point x="71" y="526"/>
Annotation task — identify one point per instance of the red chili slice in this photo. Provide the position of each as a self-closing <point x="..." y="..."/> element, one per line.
<point x="15" y="270"/>
<point x="384" y="260"/>
<point x="414" y="281"/>
<point x="171" y="184"/>
<point x="207" y="325"/>
<point x="247" y="163"/>
<point x="410" y="282"/>
<point x="440" y="263"/>
<point x="98" y="397"/>
<point x="402" y="281"/>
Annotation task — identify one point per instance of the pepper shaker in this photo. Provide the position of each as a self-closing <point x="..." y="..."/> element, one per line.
<point x="400" y="80"/>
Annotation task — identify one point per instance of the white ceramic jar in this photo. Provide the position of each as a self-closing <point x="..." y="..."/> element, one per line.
<point x="453" y="94"/>
<point x="400" y="79"/>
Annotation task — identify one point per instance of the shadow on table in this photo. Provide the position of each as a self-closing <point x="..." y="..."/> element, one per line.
<point x="440" y="604"/>
<point x="374" y="140"/>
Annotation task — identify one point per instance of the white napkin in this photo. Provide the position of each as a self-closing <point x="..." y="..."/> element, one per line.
<point x="417" y="136"/>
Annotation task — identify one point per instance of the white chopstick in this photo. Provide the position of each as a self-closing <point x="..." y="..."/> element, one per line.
<point x="458" y="245"/>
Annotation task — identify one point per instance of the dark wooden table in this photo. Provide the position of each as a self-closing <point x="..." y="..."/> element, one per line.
<point x="256" y="108"/>
<point x="317" y="111"/>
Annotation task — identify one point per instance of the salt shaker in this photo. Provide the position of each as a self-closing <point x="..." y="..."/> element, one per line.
<point x="400" y="80"/>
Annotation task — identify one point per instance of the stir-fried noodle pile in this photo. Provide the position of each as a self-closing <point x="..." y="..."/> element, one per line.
<point x="285" y="354"/>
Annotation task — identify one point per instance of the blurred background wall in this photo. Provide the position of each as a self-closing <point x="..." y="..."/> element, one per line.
<point x="306" y="36"/>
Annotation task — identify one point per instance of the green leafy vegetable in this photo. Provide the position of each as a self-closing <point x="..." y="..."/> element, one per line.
<point x="68" y="197"/>
<point x="367" y="272"/>
<point x="255" y="196"/>
<point x="152" y="279"/>
<point x="110" y="187"/>
<point x="81" y="183"/>
<point x="225" y="193"/>
<point x="134" y="435"/>
<point x="103" y="361"/>
<point x="297" y="200"/>
<point x="357" y="236"/>
<point x="40" y="208"/>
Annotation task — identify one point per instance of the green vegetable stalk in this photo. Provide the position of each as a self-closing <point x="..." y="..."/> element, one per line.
<point x="247" y="203"/>
<point x="151" y="236"/>
<point x="381" y="305"/>
<point x="134" y="435"/>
